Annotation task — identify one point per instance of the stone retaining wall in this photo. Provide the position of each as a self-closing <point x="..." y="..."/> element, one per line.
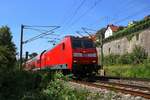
<point x="124" y="45"/>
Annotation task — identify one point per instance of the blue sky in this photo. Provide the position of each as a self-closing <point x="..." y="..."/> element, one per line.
<point x="71" y="15"/>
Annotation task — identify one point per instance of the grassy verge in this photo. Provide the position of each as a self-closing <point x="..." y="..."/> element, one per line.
<point x="134" y="71"/>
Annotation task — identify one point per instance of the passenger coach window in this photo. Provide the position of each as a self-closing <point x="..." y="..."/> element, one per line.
<point x="38" y="61"/>
<point x="63" y="46"/>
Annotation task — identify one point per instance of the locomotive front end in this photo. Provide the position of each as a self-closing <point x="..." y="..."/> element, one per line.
<point x="85" y="59"/>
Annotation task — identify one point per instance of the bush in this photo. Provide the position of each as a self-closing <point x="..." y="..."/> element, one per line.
<point x="110" y="59"/>
<point x="124" y="59"/>
<point x="133" y="71"/>
<point x="15" y="85"/>
<point x="136" y="57"/>
<point x="43" y="85"/>
<point x="57" y="90"/>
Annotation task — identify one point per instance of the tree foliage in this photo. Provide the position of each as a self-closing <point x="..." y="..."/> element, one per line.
<point x="137" y="56"/>
<point x="100" y="36"/>
<point x="32" y="55"/>
<point x="7" y="48"/>
<point x="101" y="31"/>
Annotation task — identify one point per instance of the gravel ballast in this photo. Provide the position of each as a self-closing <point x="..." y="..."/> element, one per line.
<point x="104" y="93"/>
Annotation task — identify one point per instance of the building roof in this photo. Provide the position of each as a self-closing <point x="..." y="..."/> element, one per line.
<point x="113" y="27"/>
<point x="147" y="17"/>
<point x="93" y="37"/>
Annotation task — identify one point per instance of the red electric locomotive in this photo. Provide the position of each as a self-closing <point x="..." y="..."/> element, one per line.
<point x="72" y="54"/>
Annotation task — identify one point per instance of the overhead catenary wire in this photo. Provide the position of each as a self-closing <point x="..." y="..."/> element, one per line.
<point x="113" y="20"/>
<point x="38" y="30"/>
<point x="83" y="14"/>
<point x="78" y="32"/>
<point x="75" y="12"/>
<point x="117" y="21"/>
<point x="42" y="34"/>
<point x="130" y="3"/>
<point x="87" y="11"/>
<point x="38" y="26"/>
<point x="132" y="15"/>
<point x="37" y="37"/>
<point x="51" y="38"/>
<point x="85" y="28"/>
<point x="126" y="4"/>
<point x="87" y="32"/>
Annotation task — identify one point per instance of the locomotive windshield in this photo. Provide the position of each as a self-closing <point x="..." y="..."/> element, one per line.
<point x="82" y="43"/>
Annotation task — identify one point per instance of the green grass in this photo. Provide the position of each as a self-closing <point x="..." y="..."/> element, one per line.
<point x="134" y="71"/>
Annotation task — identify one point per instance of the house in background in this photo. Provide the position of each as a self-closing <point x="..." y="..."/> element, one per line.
<point x="147" y="17"/>
<point x="131" y="23"/>
<point x="110" y="29"/>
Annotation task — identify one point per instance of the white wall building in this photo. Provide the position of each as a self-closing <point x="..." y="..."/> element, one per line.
<point x="110" y="29"/>
<point x="108" y="32"/>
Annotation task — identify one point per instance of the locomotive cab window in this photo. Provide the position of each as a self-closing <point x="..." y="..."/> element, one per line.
<point x="76" y="44"/>
<point x="88" y="44"/>
<point x="83" y="43"/>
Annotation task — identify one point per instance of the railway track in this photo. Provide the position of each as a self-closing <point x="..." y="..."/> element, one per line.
<point x="121" y="78"/>
<point x="117" y="87"/>
<point x="127" y="85"/>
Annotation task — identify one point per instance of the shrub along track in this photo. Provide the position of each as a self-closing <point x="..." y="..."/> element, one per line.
<point x="119" y="87"/>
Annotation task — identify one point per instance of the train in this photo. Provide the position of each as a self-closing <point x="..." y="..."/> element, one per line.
<point x="77" y="55"/>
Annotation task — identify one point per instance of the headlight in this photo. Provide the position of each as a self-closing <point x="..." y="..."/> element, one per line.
<point x="94" y="61"/>
<point x="74" y="61"/>
<point x="92" y="55"/>
<point x="77" y="54"/>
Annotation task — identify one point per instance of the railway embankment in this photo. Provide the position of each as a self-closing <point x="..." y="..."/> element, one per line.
<point x="132" y="71"/>
<point x="127" y="52"/>
<point x="134" y="65"/>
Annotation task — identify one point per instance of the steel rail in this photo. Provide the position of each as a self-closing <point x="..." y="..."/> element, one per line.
<point x="117" y="89"/>
<point x="122" y="78"/>
<point x="126" y="85"/>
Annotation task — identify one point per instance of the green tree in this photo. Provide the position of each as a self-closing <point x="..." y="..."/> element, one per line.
<point x="32" y="55"/>
<point x="7" y="48"/>
<point x="100" y="35"/>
